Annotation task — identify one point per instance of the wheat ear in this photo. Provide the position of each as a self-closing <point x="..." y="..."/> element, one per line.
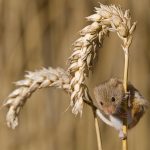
<point x="106" y="19"/>
<point x="34" y="80"/>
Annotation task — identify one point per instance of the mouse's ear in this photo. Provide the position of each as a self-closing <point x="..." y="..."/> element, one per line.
<point x="115" y="81"/>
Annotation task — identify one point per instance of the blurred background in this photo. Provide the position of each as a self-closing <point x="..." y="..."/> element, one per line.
<point x="39" y="33"/>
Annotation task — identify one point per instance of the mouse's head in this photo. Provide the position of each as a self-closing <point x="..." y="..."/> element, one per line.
<point x="109" y="95"/>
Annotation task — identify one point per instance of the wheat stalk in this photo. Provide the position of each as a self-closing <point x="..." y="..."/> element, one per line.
<point x="105" y="19"/>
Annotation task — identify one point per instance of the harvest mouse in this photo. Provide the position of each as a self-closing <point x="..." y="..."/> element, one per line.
<point x="110" y="98"/>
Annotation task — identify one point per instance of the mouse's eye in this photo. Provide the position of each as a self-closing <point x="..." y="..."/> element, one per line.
<point x="101" y="103"/>
<point x="113" y="99"/>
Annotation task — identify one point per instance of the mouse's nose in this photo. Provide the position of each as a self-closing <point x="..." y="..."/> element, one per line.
<point x="110" y="109"/>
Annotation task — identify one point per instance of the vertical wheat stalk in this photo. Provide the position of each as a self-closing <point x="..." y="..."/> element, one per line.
<point x="127" y="43"/>
<point x="98" y="133"/>
<point x="125" y="80"/>
<point x="97" y="127"/>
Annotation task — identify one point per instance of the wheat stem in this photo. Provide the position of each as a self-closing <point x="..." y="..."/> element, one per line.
<point x="98" y="134"/>
<point x="97" y="128"/>
<point x="127" y="42"/>
<point x="126" y="66"/>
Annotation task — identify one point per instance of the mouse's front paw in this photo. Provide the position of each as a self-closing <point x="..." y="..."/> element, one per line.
<point x="127" y="98"/>
<point x="122" y="136"/>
